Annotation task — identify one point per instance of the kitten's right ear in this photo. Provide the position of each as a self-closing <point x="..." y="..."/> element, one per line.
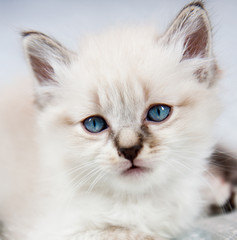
<point x="45" y="56"/>
<point x="191" y="31"/>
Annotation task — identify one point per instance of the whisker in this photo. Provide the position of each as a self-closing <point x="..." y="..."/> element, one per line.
<point x="96" y="180"/>
<point x="79" y="183"/>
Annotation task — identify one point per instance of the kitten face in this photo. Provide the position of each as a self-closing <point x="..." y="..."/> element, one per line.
<point x="123" y="99"/>
<point x="119" y="77"/>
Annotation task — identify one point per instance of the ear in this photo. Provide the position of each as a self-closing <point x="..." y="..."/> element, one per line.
<point x="45" y="56"/>
<point x="192" y="29"/>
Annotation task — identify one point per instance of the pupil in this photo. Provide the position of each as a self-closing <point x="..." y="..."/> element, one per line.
<point x="94" y="123"/>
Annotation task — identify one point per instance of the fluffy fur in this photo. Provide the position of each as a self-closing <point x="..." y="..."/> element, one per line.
<point x="73" y="185"/>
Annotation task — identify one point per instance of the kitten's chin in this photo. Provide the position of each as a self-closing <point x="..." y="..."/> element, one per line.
<point x="134" y="180"/>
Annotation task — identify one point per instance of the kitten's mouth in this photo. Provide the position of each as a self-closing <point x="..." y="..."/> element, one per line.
<point x="135" y="171"/>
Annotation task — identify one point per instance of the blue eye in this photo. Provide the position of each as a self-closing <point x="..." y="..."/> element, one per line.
<point x="158" y="113"/>
<point x="95" y="124"/>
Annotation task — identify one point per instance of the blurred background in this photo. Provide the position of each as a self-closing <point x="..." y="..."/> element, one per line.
<point x="69" y="20"/>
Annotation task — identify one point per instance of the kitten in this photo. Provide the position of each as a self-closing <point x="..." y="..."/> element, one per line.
<point x="117" y="143"/>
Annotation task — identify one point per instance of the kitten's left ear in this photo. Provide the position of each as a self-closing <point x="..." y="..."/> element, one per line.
<point x="47" y="58"/>
<point x="192" y="29"/>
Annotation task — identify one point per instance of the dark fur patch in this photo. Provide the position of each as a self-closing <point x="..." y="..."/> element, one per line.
<point x="228" y="207"/>
<point x="148" y="137"/>
<point x="196" y="43"/>
<point x="28" y="33"/>
<point x="43" y="71"/>
<point x="153" y="143"/>
<point x="197" y="4"/>
<point x="224" y="165"/>
<point x="145" y="130"/>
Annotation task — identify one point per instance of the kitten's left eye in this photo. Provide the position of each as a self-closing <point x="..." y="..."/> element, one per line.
<point x="158" y="113"/>
<point x="95" y="124"/>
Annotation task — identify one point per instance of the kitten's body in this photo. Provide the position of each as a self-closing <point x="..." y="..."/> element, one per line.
<point x="18" y="155"/>
<point x="78" y="185"/>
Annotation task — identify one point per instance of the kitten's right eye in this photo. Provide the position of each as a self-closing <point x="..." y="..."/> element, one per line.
<point x="95" y="124"/>
<point x="158" y="113"/>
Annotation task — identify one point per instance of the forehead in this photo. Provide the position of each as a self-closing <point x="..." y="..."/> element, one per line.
<point x="122" y="100"/>
<point x="118" y="94"/>
<point x="121" y="73"/>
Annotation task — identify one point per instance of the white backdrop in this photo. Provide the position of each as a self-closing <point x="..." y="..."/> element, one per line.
<point x="68" y="20"/>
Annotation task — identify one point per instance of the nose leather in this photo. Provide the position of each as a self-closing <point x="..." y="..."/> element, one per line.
<point x="130" y="153"/>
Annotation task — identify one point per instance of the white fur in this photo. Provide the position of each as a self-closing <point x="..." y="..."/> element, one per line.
<point x="81" y="191"/>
